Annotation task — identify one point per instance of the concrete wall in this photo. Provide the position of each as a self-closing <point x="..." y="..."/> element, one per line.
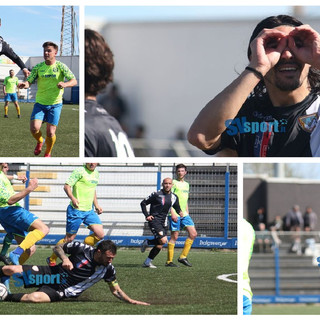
<point x="168" y="71"/>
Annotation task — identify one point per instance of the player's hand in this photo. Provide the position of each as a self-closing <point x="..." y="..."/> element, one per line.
<point x="23" y="85"/>
<point x="33" y="184"/>
<point x="67" y="264"/>
<point x="61" y="85"/>
<point x="23" y="179"/>
<point x="150" y="218"/>
<point x="75" y="202"/>
<point x="174" y="217"/>
<point x="266" y="49"/>
<point x="140" y="302"/>
<point x="99" y="210"/>
<point x="304" y="43"/>
<point x="26" y="72"/>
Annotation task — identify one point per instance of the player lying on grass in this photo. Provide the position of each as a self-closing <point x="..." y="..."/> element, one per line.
<point x="84" y="267"/>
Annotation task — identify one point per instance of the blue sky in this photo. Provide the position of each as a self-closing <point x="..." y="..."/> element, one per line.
<point x="164" y="13"/>
<point x="26" y="28"/>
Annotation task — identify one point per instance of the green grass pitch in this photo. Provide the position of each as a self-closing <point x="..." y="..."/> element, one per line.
<point x="286" y="309"/>
<point x="17" y="141"/>
<point x="170" y="291"/>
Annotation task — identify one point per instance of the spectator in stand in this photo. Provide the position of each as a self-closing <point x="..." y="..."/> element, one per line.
<point x="260" y="217"/>
<point x="310" y="219"/>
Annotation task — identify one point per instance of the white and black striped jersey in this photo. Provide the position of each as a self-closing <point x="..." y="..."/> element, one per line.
<point x="85" y="273"/>
<point x="160" y="204"/>
<point x="263" y="130"/>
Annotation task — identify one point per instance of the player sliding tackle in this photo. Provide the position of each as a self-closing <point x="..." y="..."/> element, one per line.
<point x="84" y="267"/>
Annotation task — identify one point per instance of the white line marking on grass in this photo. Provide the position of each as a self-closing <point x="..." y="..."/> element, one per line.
<point x="225" y="277"/>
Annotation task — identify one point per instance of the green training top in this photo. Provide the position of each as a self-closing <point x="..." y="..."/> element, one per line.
<point x="6" y="190"/>
<point x="248" y="238"/>
<point x="10" y="84"/>
<point x="83" y="183"/>
<point x="48" y="76"/>
<point x="181" y="189"/>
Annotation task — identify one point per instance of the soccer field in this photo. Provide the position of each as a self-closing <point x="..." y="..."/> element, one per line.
<point x="170" y="291"/>
<point x="286" y="309"/>
<point x="17" y="141"/>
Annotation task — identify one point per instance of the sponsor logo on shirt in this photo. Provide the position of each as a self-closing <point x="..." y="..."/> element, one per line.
<point x="241" y="125"/>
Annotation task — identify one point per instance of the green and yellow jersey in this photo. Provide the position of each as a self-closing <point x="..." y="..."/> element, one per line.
<point x="48" y="76"/>
<point x="248" y="238"/>
<point x="83" y="183"/>
<point x="6" y="190"/>
<point x="11" y="84"/>
<point x="181" y="189"/>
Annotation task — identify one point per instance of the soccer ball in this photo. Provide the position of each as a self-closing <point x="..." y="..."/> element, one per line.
<point x="3" y="292"/>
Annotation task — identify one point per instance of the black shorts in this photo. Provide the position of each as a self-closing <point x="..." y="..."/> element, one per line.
<point x="157" y="228"/>
<point x="43" y="277"/>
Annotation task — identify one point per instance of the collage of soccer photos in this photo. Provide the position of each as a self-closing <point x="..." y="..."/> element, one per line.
<point x="176" y="103"/>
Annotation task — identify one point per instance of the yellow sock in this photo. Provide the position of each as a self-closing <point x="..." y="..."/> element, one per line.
<point x="31" y="238"/>
<point x="53" y="257"/>
<point x="6" y="111"/>
<point x="91" y="240"/>
<point x="38" y="136"/>
<point x="24" y="257"/>
<point x="170" y="251"/>
<point x="186" y="249"/>
<point x="18" y="111"/>
<point x="50" y="141"/>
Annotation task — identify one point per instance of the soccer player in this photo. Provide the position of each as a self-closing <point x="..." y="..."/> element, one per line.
<point x="80" y="187"/>
<point x="50" y="75"/>
<point x="248" y="239"/>
<point x="16" y="220"/>
<point x="160" y="203"/>
<point x="104" y="136"/>
<point x="281" y="116"/>
<point x="9" y="90"/>
<point x="7" y="51"/>
<point x="4" y="167"/>
<point x="181" y="189"/>
<point x="77" y="272"/>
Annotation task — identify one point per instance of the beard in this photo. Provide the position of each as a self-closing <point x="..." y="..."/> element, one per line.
<point x="288" y="85"/>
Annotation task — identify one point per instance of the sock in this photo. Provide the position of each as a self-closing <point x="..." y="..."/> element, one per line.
<point x="50" y="141"/>
<point x="186" y="249"/>
<point x="154" y="252"/>
<point x="5" y="280"/>
<point x="91" y="240"/>
<point x="24" y="257"/>
<point x="31" y="238"/>
<point x="15" y="297"/>
<point x="53" y="257"/>
<point x="6" y="243"/>
<point x="18" y="111"/>
<point x="170" y="251"/>
<point x="5" y="111"/>
<point x="152" y="242"/>
<point x="38" y="136"/>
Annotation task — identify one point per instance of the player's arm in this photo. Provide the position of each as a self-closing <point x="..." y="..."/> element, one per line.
<point x="4" y="89"/>
<point x="121" y="295"/>
<point x="15" y="177"/>
<point x="67" y="189"/>
<point x="67" y="84"/>
<point x="33" y="184"/>
<point x="66" y="263"/>
<point x="205" y="132"/>
<point x="24" y="85"/>
<point x="143" y="205"/>
<point x="177" y="209"/>
<point x="96" y="205"/>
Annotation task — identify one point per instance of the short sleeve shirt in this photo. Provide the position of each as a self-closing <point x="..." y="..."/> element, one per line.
<point x="181" y="189"/>
<point x="10" y="83"/>
<point x="6" y="190"/>
<point x="48" y="76"/>
<point x="83" y="183"/>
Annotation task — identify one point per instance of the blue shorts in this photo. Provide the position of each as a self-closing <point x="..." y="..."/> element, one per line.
<point x="49" y="114"/>
<point x="181" y="223"/>
<point x="247" y="306"/>
<point x="76" y="217"/>
<point x="16" y="220"/>
<point x="11" y="97"/>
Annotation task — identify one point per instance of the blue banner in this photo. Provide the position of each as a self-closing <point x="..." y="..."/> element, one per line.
<point x="136" y="241"/>
<point x="286" y="299"/>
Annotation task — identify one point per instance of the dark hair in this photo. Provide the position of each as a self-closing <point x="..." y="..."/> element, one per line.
<point x="273" y="22"/>
<point x="51" y="44"/>
<point x="181" y="165"/>
<point x="107" y="245"/>
<point x="99" y="62"/>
